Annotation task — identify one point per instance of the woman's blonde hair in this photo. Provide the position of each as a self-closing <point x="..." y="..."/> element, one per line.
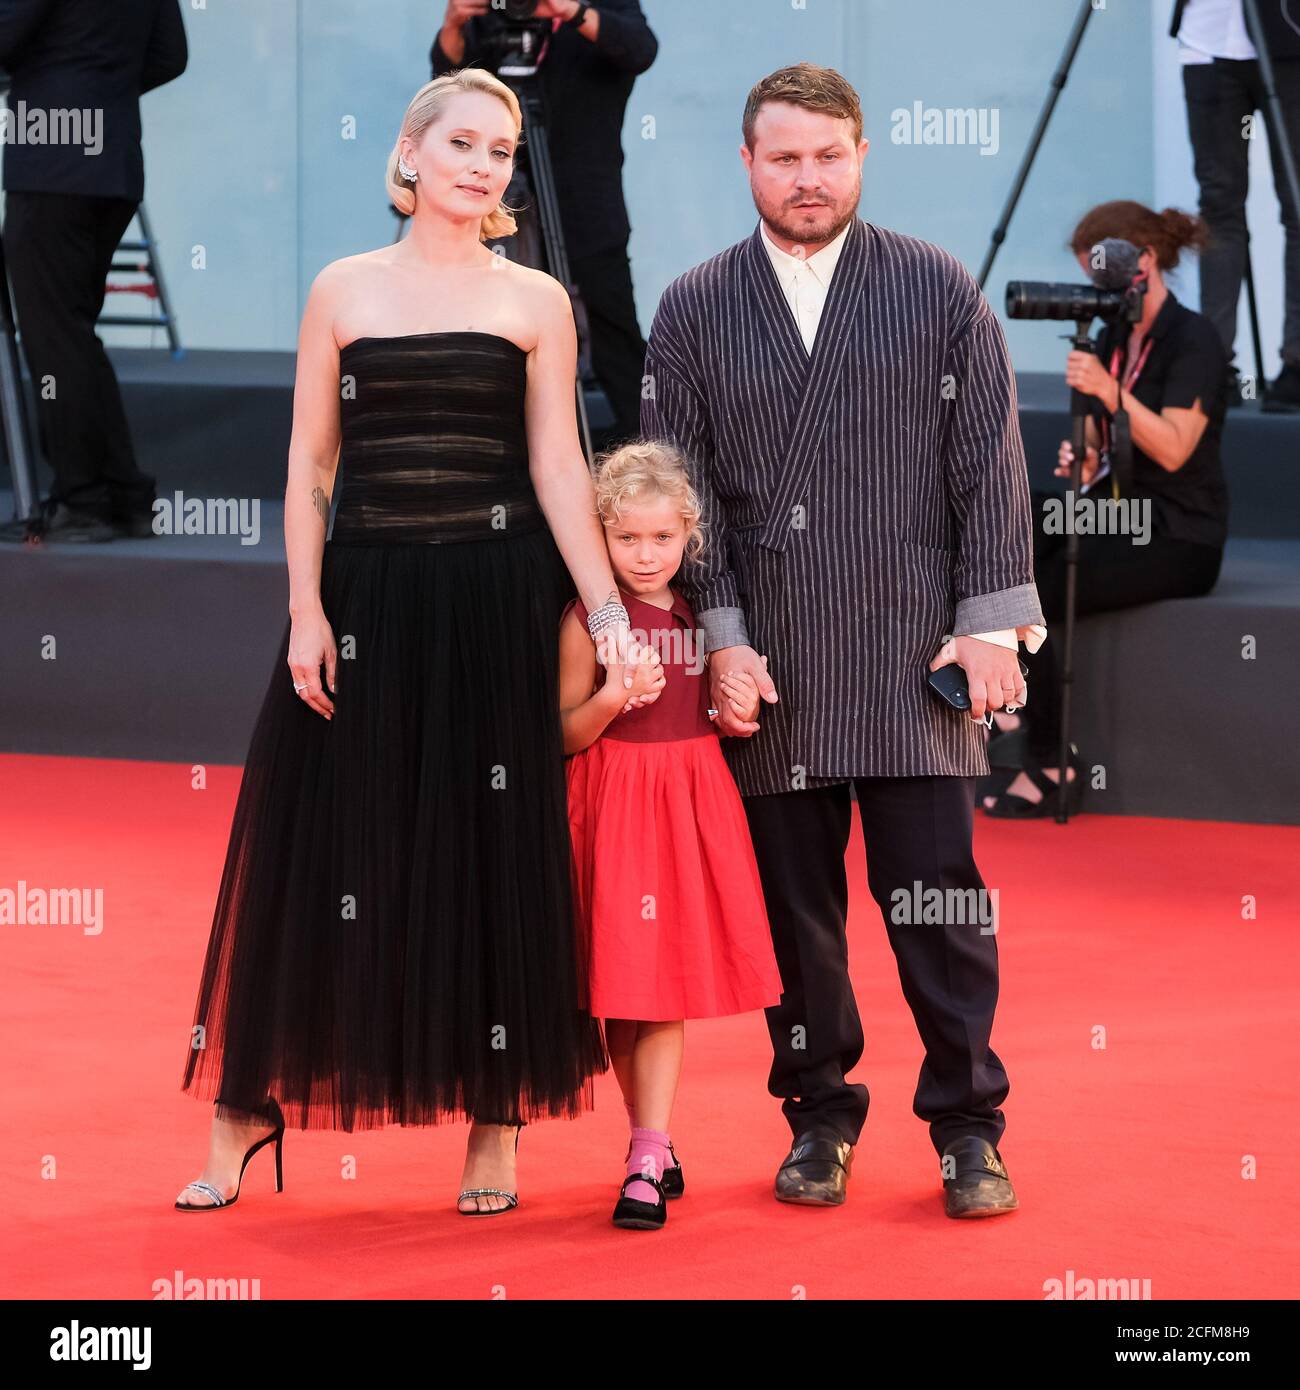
<point x="425" y="108"/>
<point x="643" y="472"/>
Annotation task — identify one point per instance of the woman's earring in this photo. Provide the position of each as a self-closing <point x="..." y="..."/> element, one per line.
<point x="405" y="170"/>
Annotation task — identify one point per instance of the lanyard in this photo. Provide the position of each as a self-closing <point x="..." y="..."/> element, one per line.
<point x="1130" y="379"/>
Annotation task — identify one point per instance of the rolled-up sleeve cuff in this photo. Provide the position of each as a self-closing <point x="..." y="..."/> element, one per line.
<point x="1017" y="607"/>
<point x="723" y="627"/>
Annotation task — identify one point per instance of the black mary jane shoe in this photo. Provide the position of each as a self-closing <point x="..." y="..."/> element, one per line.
<point x="1008" y="807"/>
<point x="815" y="1172"/>
<point x="673" y="1180"/>
<point x="977" y="1182"/>
<point x="635" y="1215"/>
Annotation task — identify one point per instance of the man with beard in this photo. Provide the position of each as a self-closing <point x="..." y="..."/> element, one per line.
<point x="845" y="401"/>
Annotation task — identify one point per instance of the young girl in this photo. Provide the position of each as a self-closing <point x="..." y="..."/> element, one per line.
<point x="669" y="899"/>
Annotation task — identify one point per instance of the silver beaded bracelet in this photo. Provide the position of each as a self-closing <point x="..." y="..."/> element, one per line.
<point x="605" y="616"/>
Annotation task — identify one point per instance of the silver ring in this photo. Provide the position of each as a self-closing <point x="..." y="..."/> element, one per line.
<point x="303" y="686"/>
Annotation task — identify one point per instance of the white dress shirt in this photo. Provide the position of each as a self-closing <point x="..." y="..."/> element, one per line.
<point x="1213" y="29"/>
<point x="805" y="281"/>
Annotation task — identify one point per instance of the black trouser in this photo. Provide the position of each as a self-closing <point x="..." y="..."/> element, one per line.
<point x="1113" y="573"/>
<point x="60" y="247"/>
<point x="917" y="831"/>
<point x="617" y="347"/>
<point x="1220" y="96"/>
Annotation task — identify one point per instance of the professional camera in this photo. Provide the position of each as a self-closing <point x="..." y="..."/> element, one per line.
<point x="513" y="45"/>
<point x="1115" y="292"/>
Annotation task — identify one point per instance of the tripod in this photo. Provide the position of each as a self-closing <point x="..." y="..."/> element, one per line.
<point x="519" y="72"/>
<point x="13" y="404"/>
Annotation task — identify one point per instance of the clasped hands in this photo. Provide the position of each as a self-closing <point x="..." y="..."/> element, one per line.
<point x="738" y="681"/>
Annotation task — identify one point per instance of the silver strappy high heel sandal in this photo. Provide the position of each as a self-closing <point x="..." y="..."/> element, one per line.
<point x="512" y="1198"/>
<point x="273" y="1114"/>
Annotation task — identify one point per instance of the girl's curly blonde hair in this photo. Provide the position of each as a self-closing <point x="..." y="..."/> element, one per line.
<point x="645" y="471"/>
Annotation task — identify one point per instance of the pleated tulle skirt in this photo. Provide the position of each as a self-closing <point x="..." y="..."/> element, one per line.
<point x="670" y="903"/>
<point x="394" y="935"/>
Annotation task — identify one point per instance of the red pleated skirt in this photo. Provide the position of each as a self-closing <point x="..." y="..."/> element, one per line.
<point x="670" y="904"/>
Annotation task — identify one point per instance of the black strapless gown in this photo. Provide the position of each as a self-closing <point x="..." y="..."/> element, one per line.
<point x="394" y="938"/>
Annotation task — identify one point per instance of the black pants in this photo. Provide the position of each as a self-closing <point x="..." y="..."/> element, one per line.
<point x="1113" y="573"/>
<point x="617" y="347"/>
<point x="1220" y="96"/>
<point x="917" y="831"/>
<point x="59" y="248"/>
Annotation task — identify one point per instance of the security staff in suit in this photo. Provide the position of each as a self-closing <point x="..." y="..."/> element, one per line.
<point x="594" y="55"/>
<point x="844" y="399"/>
<point x="66" y="208"/>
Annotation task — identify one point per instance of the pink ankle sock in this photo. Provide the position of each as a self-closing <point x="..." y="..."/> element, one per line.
<point x="648" y="1157"/>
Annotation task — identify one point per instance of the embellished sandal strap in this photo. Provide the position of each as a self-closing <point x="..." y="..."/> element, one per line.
<point x="209" y="1191"/>
<point x="511" y="1197"/>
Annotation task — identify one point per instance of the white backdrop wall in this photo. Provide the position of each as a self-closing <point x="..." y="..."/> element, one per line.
<point x="265" y="160"/>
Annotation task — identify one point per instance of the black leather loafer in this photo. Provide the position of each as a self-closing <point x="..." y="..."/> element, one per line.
<point x="977" y="1183"/>
<point x="815" y="1172"/>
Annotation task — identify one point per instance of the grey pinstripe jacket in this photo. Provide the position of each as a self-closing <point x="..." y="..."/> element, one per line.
<point x="860" y="502"/>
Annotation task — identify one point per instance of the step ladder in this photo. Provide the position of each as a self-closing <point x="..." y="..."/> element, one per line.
<point x="139" y="258"/>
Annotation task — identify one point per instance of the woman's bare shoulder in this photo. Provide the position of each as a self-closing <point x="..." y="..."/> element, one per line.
<point x="335" y="280"/>
<point x="546" y="303"/>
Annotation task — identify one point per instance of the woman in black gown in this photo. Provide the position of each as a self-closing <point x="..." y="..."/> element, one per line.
<point x="393" y="939"/>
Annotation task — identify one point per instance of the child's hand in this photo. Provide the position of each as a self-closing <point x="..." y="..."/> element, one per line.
<point x="741" y="691"/>
<point x="647" y="676"/>
<point x="648" y="679"/>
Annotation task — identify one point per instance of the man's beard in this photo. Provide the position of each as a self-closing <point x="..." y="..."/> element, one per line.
<point x="791" y="231"/>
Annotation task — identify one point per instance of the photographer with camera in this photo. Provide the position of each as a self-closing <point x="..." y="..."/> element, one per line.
<point x="592" y="57"/>
<point x="1164" y="378"/>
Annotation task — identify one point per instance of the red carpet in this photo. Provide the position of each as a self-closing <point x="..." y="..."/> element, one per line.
<point x="1128" y="1160"/>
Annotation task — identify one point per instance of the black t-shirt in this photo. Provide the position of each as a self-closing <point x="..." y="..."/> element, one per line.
<point x="1187" y="362"/>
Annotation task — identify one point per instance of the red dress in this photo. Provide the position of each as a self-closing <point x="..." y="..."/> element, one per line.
<point x="667" y="889"/>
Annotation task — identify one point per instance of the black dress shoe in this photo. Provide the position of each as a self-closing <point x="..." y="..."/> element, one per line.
<point x="57" y="522"/>
<point x="976" y="1181"/>
<point x="1233" y="396"/>
<point x="138" y="526"/>
<point x="1283" y="392"/>
<point x="635" y="1215"/>
<point x="815" y="1172"/>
